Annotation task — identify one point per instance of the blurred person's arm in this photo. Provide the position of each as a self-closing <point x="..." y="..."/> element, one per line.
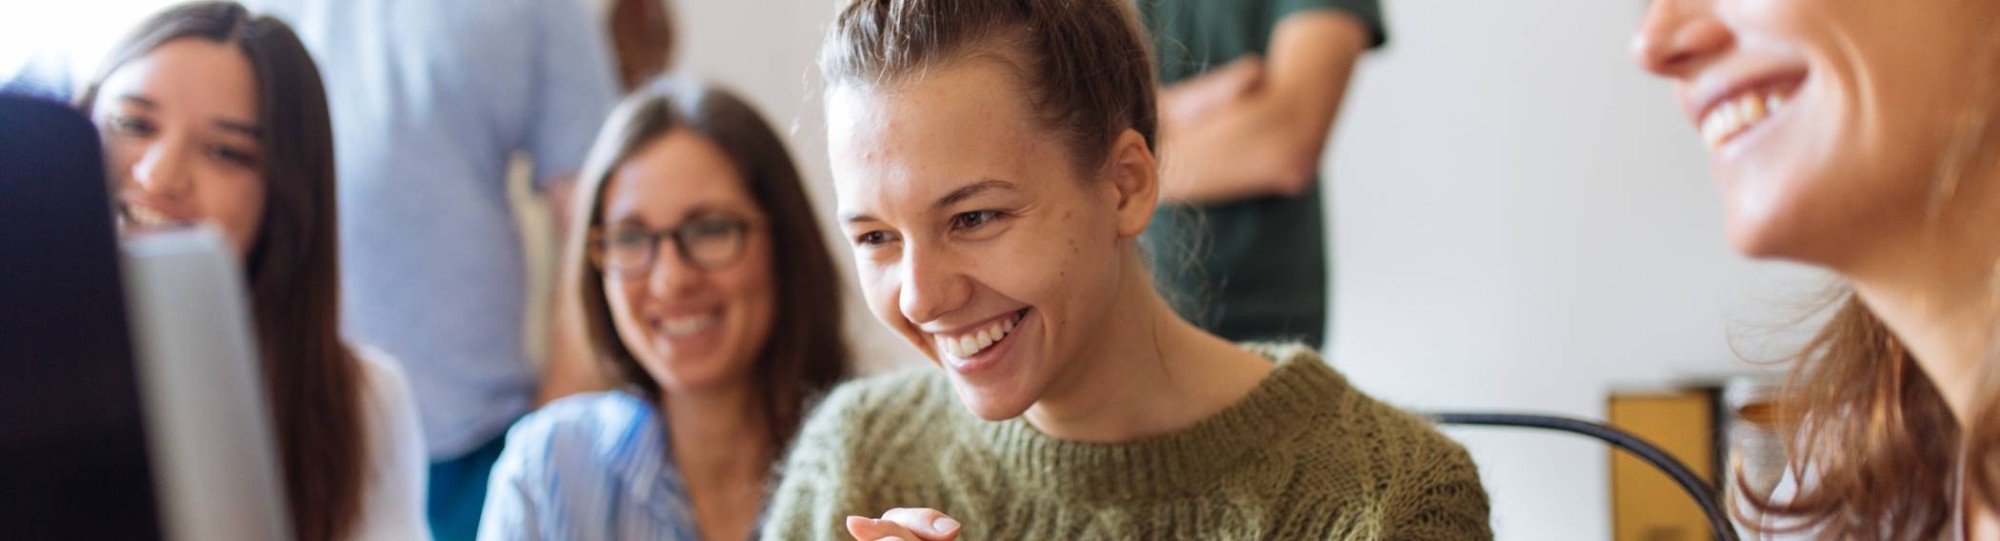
<point x="1250" y="130"/>
<point x="642" y="33"/>
<point x="576" y="86"/>
<point x="568" y="368"/>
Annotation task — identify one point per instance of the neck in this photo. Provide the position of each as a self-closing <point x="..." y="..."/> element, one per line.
<point x="1150" y="373"/>
<point x="717" y="434"/>
<point x="1936" y="290"/>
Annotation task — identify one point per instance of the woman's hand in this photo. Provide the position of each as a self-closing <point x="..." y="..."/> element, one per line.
<point x="902" y="524"/>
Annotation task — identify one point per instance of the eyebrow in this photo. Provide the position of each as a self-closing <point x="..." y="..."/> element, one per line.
<point x="968" y="192"/>
<point x="949" y="199"/>
<point x="248" y="130"/>
<point x="245" y="128"/>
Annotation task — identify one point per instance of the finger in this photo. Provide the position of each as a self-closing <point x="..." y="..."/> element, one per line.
<point x="868" y="529"/>
<point x="929" y="523"/>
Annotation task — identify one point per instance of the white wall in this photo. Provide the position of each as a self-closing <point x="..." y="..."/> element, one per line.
<point x="1522" y="221"/>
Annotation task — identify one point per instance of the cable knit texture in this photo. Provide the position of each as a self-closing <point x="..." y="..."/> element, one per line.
<point x="1303" y="456"/>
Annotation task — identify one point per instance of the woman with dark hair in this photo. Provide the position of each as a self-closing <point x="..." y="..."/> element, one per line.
<point x="1864" y="137"/>
<point x="212" y="115"/>
<point x="994" y="161"/>
<point x="708" y="294"/>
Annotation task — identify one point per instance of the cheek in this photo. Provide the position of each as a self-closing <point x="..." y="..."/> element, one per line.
<point x="623" y="302"/>
<point x="234" y="201"/>
<point x="1064" y="262"/>
<point x="752" y="288"/>
<point x="880" y="286"/>
<point x="120" y="157"/>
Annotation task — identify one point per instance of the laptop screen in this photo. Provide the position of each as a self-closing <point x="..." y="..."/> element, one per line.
<point x="72" y="432"/>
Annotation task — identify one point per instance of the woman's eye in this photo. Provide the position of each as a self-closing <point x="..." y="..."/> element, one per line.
<point x="973" y="220"/>
<point x="131" y="126"/>
<point x="710" y="228"/>
<point x="872" y="239"/>
<point x="626" y="239"/>
<point x="235" y="156"/>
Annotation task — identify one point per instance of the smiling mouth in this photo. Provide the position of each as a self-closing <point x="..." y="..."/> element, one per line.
<point x="966" y="345"/>
<point x="145" y="217"/>
<point x="1739" y="112"/>
<point x="687" y="326"/>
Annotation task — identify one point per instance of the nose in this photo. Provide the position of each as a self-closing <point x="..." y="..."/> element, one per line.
<point x="1677" y="36"/>
<point x="162" y="169"/>
<point x="671" y="276"/>
<point x="932" y="285"/>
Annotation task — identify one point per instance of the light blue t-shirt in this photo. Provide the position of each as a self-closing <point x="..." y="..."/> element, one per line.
<point x="592" y="466"/>
<point x="430" y="99"/>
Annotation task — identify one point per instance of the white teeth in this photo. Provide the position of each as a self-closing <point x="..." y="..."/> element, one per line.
<point x="146" y="217"/>
<point x="1735" y="115"/>
<point x="970" y="344"/>
<point x="678" y="327"/>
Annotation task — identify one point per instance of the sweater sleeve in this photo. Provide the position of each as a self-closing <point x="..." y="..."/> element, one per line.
<point x="815" y="486"/>
<point x="1439" y="496"/>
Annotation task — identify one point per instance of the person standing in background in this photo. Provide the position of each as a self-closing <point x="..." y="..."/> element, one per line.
<point x="1250" y="92"/>
<point x="430" y="102"/>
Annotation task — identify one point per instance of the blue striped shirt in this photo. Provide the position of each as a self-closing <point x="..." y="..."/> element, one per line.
<point x="593" y="466"/>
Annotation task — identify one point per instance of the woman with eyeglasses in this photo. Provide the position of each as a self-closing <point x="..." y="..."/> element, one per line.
<point x="708" y="294"/>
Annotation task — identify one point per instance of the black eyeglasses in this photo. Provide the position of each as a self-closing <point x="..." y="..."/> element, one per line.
<point x="708" y="243"/>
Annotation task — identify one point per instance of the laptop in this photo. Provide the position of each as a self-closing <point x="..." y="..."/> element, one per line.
<point x="130" y="398"/>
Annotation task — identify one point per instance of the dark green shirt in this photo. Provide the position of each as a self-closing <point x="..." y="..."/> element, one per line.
<point x="1252" y="269"/>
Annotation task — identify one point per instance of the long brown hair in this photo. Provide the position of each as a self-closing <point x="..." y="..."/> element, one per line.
<point x="805" y="354"/>
<point x="1086" y="63"/>
<point x="311" y="378"/>
<point x="1870" y="438"/>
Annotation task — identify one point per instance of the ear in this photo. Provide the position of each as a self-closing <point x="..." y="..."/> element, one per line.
<point x="1134" y="177"/>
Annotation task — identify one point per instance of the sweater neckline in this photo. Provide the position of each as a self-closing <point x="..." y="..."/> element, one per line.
<point x="1299" y="388"/>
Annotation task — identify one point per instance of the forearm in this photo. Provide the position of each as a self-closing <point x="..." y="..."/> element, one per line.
<point x="1246" y="151"/>
<point x="1267" y="140"/>
<point x="570" y="367"/>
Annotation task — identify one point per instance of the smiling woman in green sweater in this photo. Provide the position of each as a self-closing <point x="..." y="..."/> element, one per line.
<point x="993" y="161"/>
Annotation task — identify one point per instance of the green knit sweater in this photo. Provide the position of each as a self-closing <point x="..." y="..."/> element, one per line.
<point x="1303" y="456"/>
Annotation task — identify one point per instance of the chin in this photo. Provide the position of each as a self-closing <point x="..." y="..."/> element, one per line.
<point x="1755" y="242"/>
<point x="699" y="375"/>
<point x="1786" y="235"/>
<point x="989" y="403"/>
<point x="1761" y="216"/>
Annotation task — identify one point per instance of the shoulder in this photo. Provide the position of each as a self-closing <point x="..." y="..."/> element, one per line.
<point x="865" y="435"/>
<point x="871" y="405"/>
<point x="895" y="415"/>
<point x="385" y="396"/>
<point x="1349" y="419"/>
<point x="1425" y="485"/>
<point x="394" y="500"/>
<point x="380" y="373"/>
<point x="590" y="422"/>
<point x="586" y="440"/>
